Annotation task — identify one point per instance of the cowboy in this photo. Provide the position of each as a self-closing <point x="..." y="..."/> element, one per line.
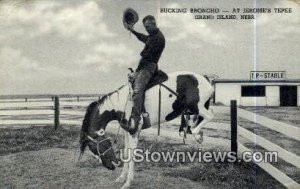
<point x="154" y="46"/>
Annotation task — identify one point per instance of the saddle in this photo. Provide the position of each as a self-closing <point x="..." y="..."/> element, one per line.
<point x="158" y="78"/>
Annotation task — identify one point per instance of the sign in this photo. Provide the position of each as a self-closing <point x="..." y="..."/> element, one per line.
<point x="267" y="75"/>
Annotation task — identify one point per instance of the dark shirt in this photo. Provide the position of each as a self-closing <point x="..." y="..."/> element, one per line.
<point x="154" y="46"/>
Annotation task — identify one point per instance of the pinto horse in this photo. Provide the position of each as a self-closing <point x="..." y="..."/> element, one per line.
<point x="117" y="105"/>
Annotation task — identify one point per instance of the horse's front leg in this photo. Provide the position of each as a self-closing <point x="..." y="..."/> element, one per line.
<point x="207" y="117"/>
<point x="122" y="178"/>
<point x="133" y="142"/>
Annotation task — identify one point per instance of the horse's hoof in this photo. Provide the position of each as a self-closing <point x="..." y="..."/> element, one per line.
<point x="199" y="138"/>
<point x="199" y="141"/>
<point x="201" y="133"/>
<point x="120" y="180"/>
<point x="126" y="185"/>
<point x="181" y="133"/>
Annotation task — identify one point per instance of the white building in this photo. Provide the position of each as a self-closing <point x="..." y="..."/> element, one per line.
<point x="258" y="92"/>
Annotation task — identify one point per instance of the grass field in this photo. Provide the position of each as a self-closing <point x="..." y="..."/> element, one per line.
<point x="290" y="115"/>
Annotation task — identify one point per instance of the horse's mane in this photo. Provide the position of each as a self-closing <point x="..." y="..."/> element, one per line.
<point x="86" y="120"/>
<point x="85" y="125"/>
<point x="105" y="97"/>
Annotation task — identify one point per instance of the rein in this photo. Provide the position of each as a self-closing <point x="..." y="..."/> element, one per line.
<point x="123" y="115"/>
<point x="169" y="89"/>
<point x="98" y="142"/>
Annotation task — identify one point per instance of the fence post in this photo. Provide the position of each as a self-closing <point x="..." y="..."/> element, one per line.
<point x="233" y="109"/>
<point x="56" y="112"/>
<point x="159" y="110"/>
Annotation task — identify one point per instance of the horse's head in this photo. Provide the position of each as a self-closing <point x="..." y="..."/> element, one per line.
<point x="102" y="147"/>
<point x="94" y="135"/>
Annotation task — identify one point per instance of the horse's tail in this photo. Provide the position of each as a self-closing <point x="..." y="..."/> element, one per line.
<point x="85" y="125"/>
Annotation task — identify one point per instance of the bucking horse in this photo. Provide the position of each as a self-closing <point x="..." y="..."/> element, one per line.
<point x="168" y="97"/>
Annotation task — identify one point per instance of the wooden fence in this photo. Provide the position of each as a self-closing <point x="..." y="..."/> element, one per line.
<point x="286" y="129"/>
<point x="54" y="110"/>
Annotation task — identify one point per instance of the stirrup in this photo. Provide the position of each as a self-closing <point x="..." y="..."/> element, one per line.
<point x="131" y="127"/>
<point x="127" y="127"/>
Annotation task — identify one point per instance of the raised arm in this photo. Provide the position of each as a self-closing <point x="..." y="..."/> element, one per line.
<point x="140" y="36"/>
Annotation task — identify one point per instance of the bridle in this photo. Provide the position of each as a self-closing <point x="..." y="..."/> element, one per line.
<point x="108" y="138"/>
<point x="99" y="142"/>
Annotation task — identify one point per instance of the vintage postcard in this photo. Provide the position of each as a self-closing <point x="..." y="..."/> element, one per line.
<point x="149" y="94"/>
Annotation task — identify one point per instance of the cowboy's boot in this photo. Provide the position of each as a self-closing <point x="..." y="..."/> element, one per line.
<point x="132" y="125"/>
<point x="146" y="121"/>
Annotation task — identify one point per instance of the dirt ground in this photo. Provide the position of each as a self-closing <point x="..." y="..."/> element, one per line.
<point x="33" y="162"/>
<point x="38" y="157"/>
<point x="56" y="168"/>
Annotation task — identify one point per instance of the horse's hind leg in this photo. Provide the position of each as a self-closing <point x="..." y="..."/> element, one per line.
<point x="207" y="117"/>
<point x="122" y="178"/>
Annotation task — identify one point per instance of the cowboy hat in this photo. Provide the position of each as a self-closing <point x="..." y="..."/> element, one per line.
<point x="130" y="17"/>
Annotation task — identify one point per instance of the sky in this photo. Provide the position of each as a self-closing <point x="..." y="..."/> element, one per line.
<point x="82" y="47"/>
